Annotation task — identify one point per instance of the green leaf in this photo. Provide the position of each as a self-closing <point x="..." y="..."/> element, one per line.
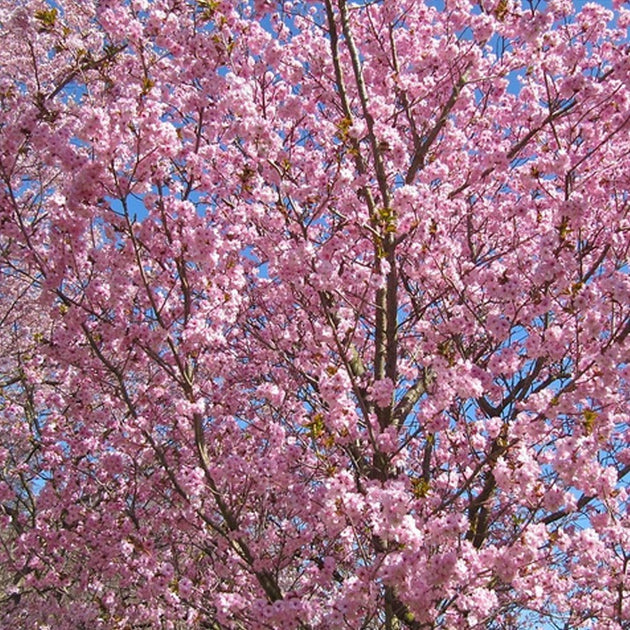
<point x="590" y="417"/>
<point x="47" y="18"/>
<point x="209" y="8"/>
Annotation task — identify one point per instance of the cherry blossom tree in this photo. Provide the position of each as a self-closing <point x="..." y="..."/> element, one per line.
<point x="314" y="314"/>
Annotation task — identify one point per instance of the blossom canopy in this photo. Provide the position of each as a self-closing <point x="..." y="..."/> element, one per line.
<point x="314" y="315"/>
